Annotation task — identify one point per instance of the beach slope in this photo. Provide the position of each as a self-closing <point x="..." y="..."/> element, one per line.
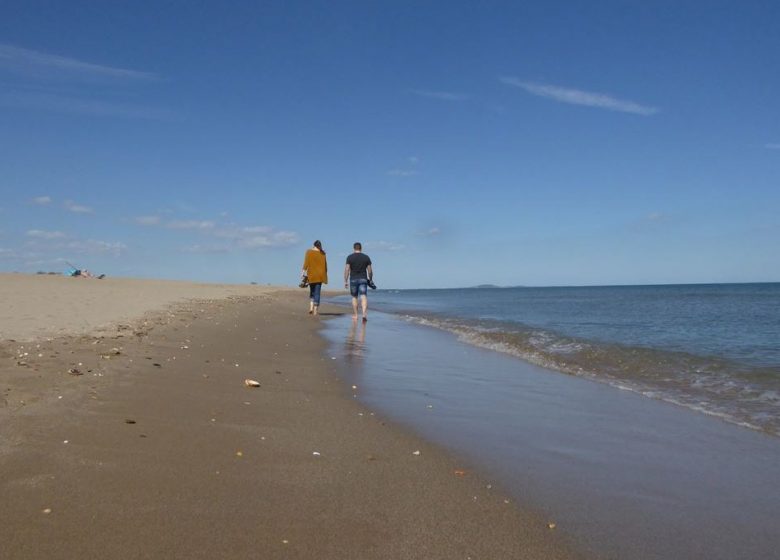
<point x="132" y="434"/>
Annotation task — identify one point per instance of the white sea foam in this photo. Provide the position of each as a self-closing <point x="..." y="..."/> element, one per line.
<point x="694" y="386"/>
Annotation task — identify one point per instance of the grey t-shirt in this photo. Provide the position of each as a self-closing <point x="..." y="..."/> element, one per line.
<point x="358" y="263"/>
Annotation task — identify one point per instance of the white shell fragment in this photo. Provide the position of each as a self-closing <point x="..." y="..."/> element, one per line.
<point x="251" y="383"/>
<point x="416" y="452"/>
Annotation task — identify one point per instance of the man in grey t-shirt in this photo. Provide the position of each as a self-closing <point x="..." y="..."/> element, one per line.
<point x="358" y="276"/>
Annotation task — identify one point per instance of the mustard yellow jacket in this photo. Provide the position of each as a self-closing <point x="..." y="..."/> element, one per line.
<point x="316" y="266"/>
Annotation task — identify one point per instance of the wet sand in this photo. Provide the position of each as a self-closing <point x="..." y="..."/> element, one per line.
<point x="153" y="447"/>
<point x="626" y="475"/>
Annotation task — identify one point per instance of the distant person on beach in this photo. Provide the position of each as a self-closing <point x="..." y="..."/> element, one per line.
<point x="358" y="276"/>
<point x="315" y="268"/>
<point x="82" y="273"/>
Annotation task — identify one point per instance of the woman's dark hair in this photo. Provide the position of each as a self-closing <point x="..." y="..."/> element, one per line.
<point x="318" y="244"/>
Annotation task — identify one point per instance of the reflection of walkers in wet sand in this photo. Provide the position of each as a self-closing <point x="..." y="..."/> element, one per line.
<point x="358" y="276"/>
<point x="356" y="340"/>
<point x="315" y="267"/>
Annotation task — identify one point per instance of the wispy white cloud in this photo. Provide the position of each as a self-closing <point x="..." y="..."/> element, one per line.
<point x="41" y="200"/>
<point x="207" y="249"/>
<point x="48" y="82"/>
<point x="77" y="208"/>
<point x="7" y="254"/>
<point x="772" y="146"/>
<point x="38" y="63"/>
<point x="430" y="232"/>
<point x="650" y="223"/>
<point x="656" y="217"/>
<point x="440" y="95"/>
<point x="271" y="239"/>
<point x="580" y="97"/>
<point x="80" y="105"/>
<point x="408" y="170"/>
<point x="96" y="247"/>
<point x="383" y="246"/>
<point x="402" y="172"/>
<point x="234" y="237"/>
<point x="257" y="237"/>
<point x="42" y="243"/>
<point x="147" y="220"/>
<point x="191" y="224"/>
<point x="43" y="234"/>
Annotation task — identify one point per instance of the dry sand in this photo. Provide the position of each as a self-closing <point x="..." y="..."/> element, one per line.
<point x="157" y="449"/>
<point x="36" y="306"/>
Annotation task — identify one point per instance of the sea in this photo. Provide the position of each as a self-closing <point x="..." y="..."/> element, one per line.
<point x="713" y="348"/>
<point x="643" y="421"/>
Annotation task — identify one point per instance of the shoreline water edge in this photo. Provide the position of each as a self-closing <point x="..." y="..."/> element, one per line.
<point x="137" y="436"/>
<point x="627" y="475"/>
<point x="711" y="348"/>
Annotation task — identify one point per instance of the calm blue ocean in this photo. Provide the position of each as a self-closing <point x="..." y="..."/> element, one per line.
<point x="713" y="348"/>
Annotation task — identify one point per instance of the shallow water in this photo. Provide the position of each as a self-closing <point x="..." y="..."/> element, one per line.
<point x="712" y="348"/>
<point x="627" y="476"/>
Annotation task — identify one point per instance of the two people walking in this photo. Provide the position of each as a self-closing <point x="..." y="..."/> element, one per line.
<point x="358" y="277"/>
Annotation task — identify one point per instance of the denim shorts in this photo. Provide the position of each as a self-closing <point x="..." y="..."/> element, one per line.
<point x="358" y="287"/>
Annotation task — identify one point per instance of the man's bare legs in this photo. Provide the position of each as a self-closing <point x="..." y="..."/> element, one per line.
<point x="363" y="307"/>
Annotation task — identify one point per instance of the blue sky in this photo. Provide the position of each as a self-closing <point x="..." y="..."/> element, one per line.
<point x="534" y="143"/>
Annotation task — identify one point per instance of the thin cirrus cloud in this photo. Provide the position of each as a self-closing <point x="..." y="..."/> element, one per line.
<point x="212" y="249"/>
<point x="656" y="217"/>
<point x="35" y="81"/>
<point x="81" y="105"/>
<point x="96" y="247"/>
<point x="256" y="237"/>
<point x="231" y="237"/>
<point x="406" y="171"/>
<point x="440" y="95"/>
<point x="147" y="220"/>
<point x="47" y="242"/>
<point x="39" y="64"/>
<point x="402" y="172"/>
<point x="44" y="234"/>
<point x="191" y="224"/>
<point x="41" y="200"/>
<point x="77" y="208"/>
<point x="772" y="146"/>
<point x="383" y="246"/>
<point x="580" y="97"/>
<point x="430" y="232"/>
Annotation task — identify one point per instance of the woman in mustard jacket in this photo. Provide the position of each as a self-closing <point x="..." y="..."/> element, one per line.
<point x="315" y="266"/>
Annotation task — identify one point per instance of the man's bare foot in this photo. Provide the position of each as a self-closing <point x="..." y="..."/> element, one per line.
<point x="354" y="317"/>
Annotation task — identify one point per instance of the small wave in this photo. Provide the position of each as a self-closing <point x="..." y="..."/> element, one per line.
<point x="747" y="396"/>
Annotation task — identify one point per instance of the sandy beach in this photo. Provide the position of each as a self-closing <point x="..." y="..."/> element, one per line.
<point x="127" y="431"/>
